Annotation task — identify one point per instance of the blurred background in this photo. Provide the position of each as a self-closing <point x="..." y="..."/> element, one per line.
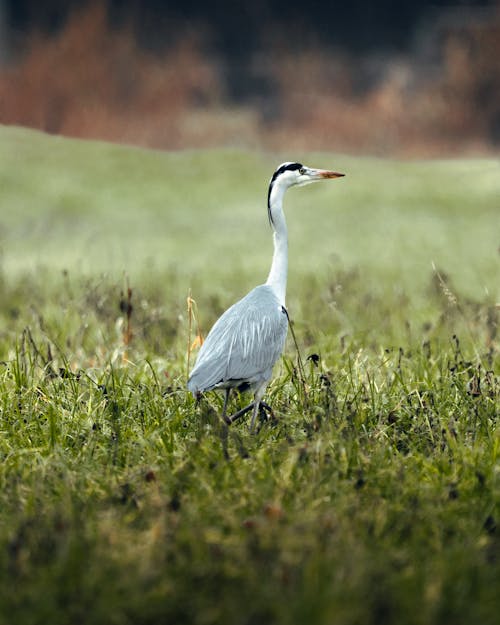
<point x="386" y="78"/>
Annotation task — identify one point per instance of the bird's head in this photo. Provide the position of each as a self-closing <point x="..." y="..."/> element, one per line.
<point x="296" y="174"/>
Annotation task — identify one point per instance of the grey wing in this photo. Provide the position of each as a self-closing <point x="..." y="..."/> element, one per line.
<point x="244" y="343"/>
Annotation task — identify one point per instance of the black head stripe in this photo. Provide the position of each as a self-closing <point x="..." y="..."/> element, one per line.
<point x="285" y="167"/>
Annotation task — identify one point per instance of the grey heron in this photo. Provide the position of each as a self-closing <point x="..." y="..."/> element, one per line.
<point x="247" y="340"/>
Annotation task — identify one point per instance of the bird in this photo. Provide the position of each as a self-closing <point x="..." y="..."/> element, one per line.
<point x="244" y="344"/>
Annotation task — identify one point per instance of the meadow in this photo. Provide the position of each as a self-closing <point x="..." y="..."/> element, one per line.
<point x="372" y="496"/>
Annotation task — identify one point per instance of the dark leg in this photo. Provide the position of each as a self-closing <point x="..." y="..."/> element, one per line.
<point x="246" y="409"/>
<point x="240" y="413"/>
<point x="254" y="406"/>
<point x="224" y="408"/>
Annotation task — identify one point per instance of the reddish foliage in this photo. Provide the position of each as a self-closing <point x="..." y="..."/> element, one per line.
<point x="94" y="81"/>
<point x="91" y="81"/>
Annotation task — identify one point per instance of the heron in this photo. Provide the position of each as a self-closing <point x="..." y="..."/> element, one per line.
<point x="244" y="344"/>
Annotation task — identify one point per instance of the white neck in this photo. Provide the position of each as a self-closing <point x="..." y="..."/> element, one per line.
<point x="279" y="267"/>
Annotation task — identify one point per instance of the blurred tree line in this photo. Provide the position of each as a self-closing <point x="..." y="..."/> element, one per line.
<point x="380" y="77"/>
<point x="239" y="28"/>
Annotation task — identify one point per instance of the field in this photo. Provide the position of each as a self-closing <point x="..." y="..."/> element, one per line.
<point x="373" y="496"/>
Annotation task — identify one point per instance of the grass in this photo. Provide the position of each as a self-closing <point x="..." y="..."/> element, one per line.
<point x="374" y="496"/>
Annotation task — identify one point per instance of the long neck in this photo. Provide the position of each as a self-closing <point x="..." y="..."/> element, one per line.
<point x="279" y="267"/>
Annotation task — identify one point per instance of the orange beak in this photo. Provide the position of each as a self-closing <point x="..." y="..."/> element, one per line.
<point x="324" y="173"/>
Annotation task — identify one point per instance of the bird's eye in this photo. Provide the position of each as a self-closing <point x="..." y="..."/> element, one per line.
<point x="302" y="171"/>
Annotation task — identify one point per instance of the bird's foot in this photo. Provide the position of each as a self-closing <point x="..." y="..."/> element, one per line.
<point x="266" y="408"/>
<point x="266" y="413"/>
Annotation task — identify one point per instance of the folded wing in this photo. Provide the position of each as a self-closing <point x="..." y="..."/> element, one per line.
<point x="243" y="345"/>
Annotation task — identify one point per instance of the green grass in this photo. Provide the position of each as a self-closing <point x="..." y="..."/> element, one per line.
<point x="374" y="495"/>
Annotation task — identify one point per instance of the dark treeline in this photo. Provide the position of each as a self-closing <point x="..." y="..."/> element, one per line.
<point x="358" y="26"/>
<point x="386" y="77"/>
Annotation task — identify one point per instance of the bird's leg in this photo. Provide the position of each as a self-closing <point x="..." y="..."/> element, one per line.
<point x="259" y="393"/>
<point x="254" y="414"/>
<point x="224" y="408"/>
<point x="240" y="413"/>
<point x="255" y="405"/>
<point x="246" y="409"/>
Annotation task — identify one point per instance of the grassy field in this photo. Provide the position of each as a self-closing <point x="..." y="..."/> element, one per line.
<point x="373" y="497"/>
